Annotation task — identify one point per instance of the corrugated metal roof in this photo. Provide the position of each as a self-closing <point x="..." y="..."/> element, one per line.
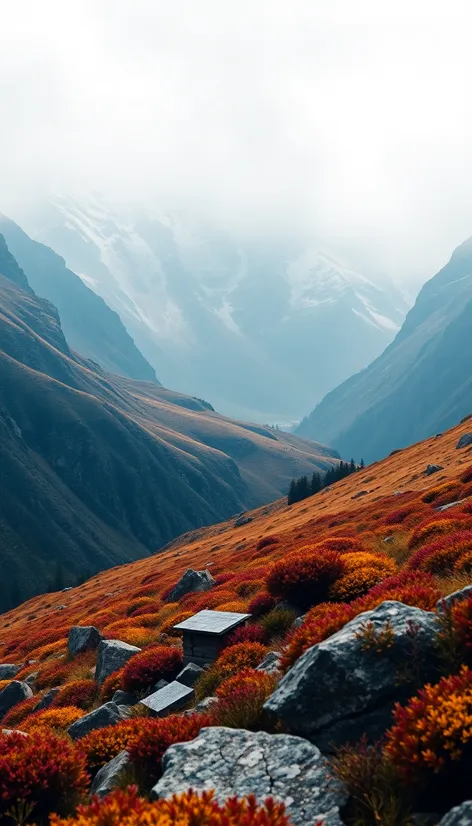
<point x="212" y="622"/>
<point x="167" y="697"/>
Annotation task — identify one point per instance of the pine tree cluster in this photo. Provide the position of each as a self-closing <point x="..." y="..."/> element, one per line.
<point x="302" y="488"/>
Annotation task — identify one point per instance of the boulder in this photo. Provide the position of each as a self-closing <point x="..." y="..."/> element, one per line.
<point x="430" y="469"/>
<point x="124" y="698"/>
<point x="457" y="596"/>
<point x="189" y="675"/>
<point x="31" y="678"/>
<point x="83" y="638"/>
<point x="242" y="520"/>
<point x="8" y="671"/>
<point x="348" y="684"/>
<point x="464" y="441"/>
<point x="270" y="663"/>
<point x="191" y="582"/>
<point x="13" y="694"/>
<point x="450" y="505"/>
<point x="112" y="655"/>
<point x="110" y="776"/>
<point x="46" y="701"/>
<point x="459" y="816"/>
<point x="172" y="697"/>
<point x="160" y="684"/>
<point x="204" y="705"/>
<point x="235" y="762"/>
<point x="107" y="715"/>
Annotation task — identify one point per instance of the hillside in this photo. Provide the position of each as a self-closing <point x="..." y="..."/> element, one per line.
<point x="91" y="328"/>
<point x="98" y="470"/>
<point x="369" y="578"/>
<point x="419" y="386"/>
<point x="251" y="326"/>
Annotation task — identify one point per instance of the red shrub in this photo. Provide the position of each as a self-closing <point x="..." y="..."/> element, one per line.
<point x="80" y="693"/>
<point x="241" y="699"/>
<point x="248" y="633"/>
<point x="58" y="719"/>
<point x="187" y="809"/>
<point x="466" y="475"/>
<point x="266" y="541"/>
<point x="320" y="623"/>
<point x="341" y="544"/>
<point x="237" y="657"/>
<point x="305" y="580"/>
<point x="18" y="713"/>
<point x="150" y="666"/>
<point x="430" y="742"/>
<point x="43" y="771"/>
<point x="103" y="744"/>
<point x="147" y="748"/>
<point x="261" y="604"/>
<point x="435" y="528"/>
<point x="440" y="556"/>
<point x="410" y="587"/>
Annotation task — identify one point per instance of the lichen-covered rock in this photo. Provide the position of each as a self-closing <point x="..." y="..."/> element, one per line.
<point x="189" y="675"/>
<point x="191" y="582"/>
<point x="457" y="596"/>
<point x="430" y="469"/>
<point x="13" y="694"/>
<point x="112" y="655"/>
<point x="83" y="638"/>
<point x="8" y="671"/>
<point x="459" y="816"/>
<point x="107" y="715"/>
<point x="348" y="684"/>
<point x="111" y="775"/>
<point x="239" y="762"/>
<point x="124" y="698"/>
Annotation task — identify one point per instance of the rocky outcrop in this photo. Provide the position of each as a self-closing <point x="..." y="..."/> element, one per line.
<point x="124" y="698"/>
<point x="239" y="762"/>
<point x="83" y="638"/>
<point x="464" y="441"/>
<point x="13" y="694"/>
<point x="191" y="582"/>
<point x="46" y="701"/>
<point x="430" y="469"/>
<point x="348" y="684"/>
<point x="111" y="775"/>
<point x="270" y="663"/>
<point x="459" y="816"/>
<point x="107" y="715"/>
<point x="457" y="596"/>
<point x="8" y="671"/>
<point x="112" y="655"/>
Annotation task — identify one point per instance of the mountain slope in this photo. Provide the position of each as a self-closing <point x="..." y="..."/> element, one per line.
<point x="90" y="326"/>
<point x="97" y="470"/>
<point x="239" y="323"/>
<point x="420" y="385"/>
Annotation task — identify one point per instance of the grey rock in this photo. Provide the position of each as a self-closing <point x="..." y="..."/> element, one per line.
<point x="46" y="701"/>
<point x="111" y="775"/>
<point x="361" y="493"/>
<point x="389" y="539"/>
<point x="83" y="638"/>
<point x="112" y="655"/>
<point x="238" y="762"/>
<point x="450" y="505"/>
<point x="107" y="715"/>
<point x="14" y="731"/>
<point x="191" y="582"/>
<point x="67" y="588"/>
<point x="189" y="675"/>
<point x="13" y="694"/>
<point x="160" y="684"/>
<point x="298" y="622"/>
<point x="8" y="671"/>
<point x="430" y="469"/>
<point x="205" y="705"/>
<point x="124" y="698"/>
<point x="459" y="816"/>
<point x="31" y="678"/>
<point x="340" y="689"/>
<point x="242" y="520"/>
<point x="457" y="596"/>
<point x="270" y="663"/>
<point x="464" y="441"/>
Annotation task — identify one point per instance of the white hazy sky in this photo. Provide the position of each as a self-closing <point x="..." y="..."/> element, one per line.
<point x="341" y="119"/>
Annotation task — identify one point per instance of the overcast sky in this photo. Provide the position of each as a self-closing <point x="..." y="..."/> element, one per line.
<point x="342" y="119"/>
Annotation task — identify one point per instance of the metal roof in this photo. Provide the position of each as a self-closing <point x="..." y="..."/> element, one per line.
<point x="212" y="622"/>
<point x="173" y="694"/>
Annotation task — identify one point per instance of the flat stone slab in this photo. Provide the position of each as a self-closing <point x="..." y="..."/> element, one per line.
<point x="110" y="776"/>
<point x="173" y="696"/>
<point x="238" y="762"/>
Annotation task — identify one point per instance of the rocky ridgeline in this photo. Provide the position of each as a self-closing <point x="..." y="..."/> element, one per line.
<point x="338" y="691"/>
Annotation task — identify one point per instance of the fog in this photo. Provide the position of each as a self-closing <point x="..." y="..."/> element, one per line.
<point x="347" y="122"/>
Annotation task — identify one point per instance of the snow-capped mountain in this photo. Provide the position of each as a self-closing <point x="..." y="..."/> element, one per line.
<point x="261" y="330"/>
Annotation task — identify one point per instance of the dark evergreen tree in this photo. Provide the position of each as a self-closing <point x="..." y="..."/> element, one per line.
<point x="362" y="465"/>
<point x="292" y="493"/>
<point x="353" y="466"/>
<point x="315" y="485"/>
<point x="303" y="488"/>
